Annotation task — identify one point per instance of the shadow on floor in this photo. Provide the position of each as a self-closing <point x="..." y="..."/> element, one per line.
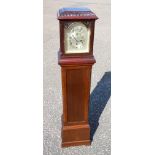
<point x="98" y="100"/>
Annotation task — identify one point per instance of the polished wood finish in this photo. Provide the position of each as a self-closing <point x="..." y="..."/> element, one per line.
<point x="76" y="135"/>
<point x="76" y="81"/>
<point x="76" y="91"/>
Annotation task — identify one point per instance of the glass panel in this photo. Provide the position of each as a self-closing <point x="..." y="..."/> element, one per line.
<point x="77" y="37"/>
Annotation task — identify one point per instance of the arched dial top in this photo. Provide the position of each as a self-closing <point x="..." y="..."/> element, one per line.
<point x="77" y="38"/>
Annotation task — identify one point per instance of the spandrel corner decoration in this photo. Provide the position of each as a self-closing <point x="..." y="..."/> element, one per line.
<point x="76" y="59"/>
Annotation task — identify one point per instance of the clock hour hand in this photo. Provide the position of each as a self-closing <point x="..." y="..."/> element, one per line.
<point x="77" y="40"/>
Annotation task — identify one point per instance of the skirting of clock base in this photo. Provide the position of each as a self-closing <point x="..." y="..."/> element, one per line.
<point x="76" y="143"/>
<point x="75" y="135"/>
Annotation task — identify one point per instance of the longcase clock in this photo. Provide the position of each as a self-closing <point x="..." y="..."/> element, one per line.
<point x="76" y="59"/>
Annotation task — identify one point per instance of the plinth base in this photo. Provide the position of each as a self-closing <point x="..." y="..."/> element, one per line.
<point x="75" y="135"/>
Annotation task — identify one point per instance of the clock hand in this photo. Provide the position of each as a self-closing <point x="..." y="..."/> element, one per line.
<point x="75" y="39"/>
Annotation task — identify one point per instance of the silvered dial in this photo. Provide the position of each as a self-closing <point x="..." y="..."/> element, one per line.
<point x="77" y="38"/>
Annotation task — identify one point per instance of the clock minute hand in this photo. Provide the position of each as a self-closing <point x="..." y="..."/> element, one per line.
<point x="75" y="38"/>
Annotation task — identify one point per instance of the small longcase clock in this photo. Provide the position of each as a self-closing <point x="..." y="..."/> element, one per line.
<point x="76" y="60"/>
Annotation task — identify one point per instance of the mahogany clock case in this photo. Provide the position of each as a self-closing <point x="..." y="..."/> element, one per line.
<point x="76" y="90"/>
<point x="76" y="80"/>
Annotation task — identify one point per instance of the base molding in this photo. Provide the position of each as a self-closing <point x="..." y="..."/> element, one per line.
<point x="75" y="143"/>
<point x="75" y="135"/>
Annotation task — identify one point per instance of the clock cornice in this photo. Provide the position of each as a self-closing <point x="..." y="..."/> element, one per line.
<point x="76" y="14"/>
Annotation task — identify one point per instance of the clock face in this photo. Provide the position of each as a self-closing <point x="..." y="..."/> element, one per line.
<point x="77" y="38"/>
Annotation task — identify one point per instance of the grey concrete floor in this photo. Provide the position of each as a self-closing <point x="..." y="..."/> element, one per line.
<point x="99" y="116"/>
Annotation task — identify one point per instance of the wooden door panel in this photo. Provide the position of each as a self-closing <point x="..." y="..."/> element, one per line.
<point x="77" y="94"/>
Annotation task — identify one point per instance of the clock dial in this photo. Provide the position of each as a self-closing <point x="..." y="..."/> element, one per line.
<point x="77" y="37"/>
